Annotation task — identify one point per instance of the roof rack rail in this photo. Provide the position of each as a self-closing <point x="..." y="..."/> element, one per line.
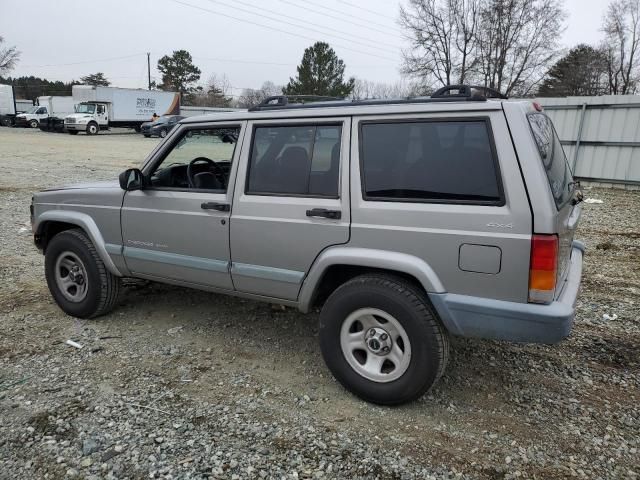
<point x="467" y="91"/>
<point x="276" y="101"/>
<point x="450" y="93"/>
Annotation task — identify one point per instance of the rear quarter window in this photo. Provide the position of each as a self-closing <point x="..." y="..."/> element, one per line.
<point x="553" y="158"/>
<point x="435" y="161"/>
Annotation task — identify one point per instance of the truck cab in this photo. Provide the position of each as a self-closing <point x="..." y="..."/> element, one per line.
<point x="31" y="118"/>
<point x="90" y="117"/>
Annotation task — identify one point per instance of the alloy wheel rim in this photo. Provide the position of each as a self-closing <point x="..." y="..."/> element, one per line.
<point x="375" y="345"/>
<point x="71" y="277"/>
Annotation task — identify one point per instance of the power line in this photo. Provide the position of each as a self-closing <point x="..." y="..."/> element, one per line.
<point x="279" y="30"/>
<point x="369" y="43"/>
<point x="83" y="62"/>
<point x="359" y="7"/>
<point x="342" y="18"/>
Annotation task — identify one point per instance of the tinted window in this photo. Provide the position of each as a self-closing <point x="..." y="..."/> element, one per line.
<point x="553" y="157"/>
<point x="429" y="161"/>
<point x="299" y="160"/>
<point x="209" y="151"/>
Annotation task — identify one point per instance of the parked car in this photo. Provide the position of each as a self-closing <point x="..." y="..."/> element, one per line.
<point x="403" y="221"/>
<point x="160" y="127"/>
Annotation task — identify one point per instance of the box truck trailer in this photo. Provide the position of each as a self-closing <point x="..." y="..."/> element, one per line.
<point x="47" y="106"/>
<point x="10" y="106"/>
<point x="100" y="108"/>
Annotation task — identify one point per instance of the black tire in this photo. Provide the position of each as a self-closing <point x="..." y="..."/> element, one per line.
<point x="72" y="132"/>
<point x="92" y="128"/>
<point x="102" y="286"/>
<point x="33" y="123"/>
<point x="163" y="132"/>
<point x="408" y="304"/>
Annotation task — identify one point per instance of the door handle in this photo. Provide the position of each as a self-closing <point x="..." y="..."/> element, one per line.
<point x="323" y="212"/>
<point x="221" y="207"/>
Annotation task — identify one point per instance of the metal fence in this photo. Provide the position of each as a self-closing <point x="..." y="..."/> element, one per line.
<point x="600" y="135"/>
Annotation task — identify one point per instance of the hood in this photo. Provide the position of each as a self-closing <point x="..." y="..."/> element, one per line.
<point x="79" y="115"/>
<point x="110" y="184"/>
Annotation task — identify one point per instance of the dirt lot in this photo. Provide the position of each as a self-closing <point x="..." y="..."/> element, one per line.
<point x="183" y="384"/>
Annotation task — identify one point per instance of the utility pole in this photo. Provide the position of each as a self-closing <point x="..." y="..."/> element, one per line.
<point x="149" y="68"/>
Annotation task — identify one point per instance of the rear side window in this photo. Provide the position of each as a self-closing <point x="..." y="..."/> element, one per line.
<point x="553" y="158"/>
<point x="295" y="160"/>
<point x="430" y="161"/>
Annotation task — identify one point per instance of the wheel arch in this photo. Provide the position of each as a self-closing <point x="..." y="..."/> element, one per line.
<point x="337" y="265"/>
<point x="52" y="222"/>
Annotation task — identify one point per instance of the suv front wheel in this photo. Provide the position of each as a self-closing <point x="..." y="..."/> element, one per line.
<point x="77" y="277"/>
<point x="381" y="339"/>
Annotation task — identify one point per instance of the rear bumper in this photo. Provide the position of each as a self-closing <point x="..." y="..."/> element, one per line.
<point x="517" y="322"/>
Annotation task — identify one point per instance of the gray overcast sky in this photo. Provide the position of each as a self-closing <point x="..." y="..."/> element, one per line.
<point x="248" y="40"/>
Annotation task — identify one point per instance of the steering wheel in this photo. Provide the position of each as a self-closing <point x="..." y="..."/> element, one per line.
<point x="211" y="165"/>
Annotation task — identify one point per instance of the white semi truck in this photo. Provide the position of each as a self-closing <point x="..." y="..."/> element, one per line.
<point x="10" y="106"/>
<point x="47" y="106"/>
<point x="100" y="108"/>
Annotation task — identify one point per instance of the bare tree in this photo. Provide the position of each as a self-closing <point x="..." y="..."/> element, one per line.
<point x="8" y="58"/>
<point x="442" y="36"/>
<point x="251" y="97"/>
<point x="216" y="93"/>
<point x="621" y="26"/>
<point x="507" y="45"/>
<point x="366" y="89"/>
<point x="516" y="43"/>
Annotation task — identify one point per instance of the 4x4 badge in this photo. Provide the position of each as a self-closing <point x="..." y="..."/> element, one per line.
<point x="499" y="225"/>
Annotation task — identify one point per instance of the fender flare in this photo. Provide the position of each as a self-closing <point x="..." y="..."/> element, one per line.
<point x="87" y="224"/>
<point x="367" y="257"/>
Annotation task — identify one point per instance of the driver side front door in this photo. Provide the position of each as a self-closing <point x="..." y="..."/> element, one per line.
<point x="177" y="232"/>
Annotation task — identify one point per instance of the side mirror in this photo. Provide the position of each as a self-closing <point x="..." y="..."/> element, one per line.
<point x="131" y="179"/>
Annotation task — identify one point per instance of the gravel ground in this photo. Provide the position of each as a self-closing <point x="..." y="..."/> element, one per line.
<point x="184" y="384"/>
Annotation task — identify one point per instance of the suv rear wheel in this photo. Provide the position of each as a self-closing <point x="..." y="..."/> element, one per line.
<point x="381" y="339"/>
<point x="77" y="277"/>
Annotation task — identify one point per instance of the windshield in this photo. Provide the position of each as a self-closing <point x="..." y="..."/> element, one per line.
<point x="85" y="108"/>
<point x="553" y="158"/>
<point x="33" y="109"/>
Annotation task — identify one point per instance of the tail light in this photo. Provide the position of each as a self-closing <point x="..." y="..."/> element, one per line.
<point x="543" y="268"/>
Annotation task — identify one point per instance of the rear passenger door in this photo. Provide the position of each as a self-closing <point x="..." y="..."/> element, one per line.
<point x="291" y="203"/>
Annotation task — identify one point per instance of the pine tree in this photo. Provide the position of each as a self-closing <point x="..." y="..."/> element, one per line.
<point x="583" y="71"/>
<point x="321" y="72"/>
<point x="95" y="79"/>
<point x="179" y="72"/>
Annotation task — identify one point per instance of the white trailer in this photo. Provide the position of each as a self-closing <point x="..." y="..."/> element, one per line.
<point x="10" y="106"/>
<point x="100" y="108"/>
<point x="47" y="106"/>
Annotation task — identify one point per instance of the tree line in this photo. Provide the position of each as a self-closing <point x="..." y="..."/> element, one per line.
<point x="509" y="45"/>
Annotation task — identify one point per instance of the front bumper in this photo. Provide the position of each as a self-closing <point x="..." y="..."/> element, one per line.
<point x="80" y="127"/>
<point x="517" y="322"/>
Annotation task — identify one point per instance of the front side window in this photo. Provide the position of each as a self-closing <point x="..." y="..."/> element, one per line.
<point x="553" y="158"/>
<point x="42" y="110"/>
<point x="429" y="161"/>
<point x="295" y="160"/>
<point x="199" y="159"/>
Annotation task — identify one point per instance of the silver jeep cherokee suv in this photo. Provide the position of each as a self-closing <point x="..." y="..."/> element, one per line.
<point x="403" y="221"/>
